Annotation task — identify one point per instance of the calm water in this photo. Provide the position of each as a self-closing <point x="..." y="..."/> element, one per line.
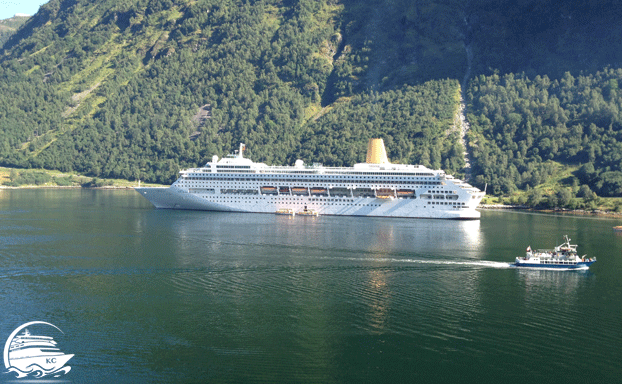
<point x="145" y="295"/>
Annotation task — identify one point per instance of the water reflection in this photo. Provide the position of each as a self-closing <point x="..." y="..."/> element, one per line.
<point x="377" y="291"/>
<point x="556" y="284"/>
<point x="216" y="233"/>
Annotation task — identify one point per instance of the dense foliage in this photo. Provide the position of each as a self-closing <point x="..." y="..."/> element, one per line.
<point x="37" y="177"/>
<point x="520" y="126"/>
<point x="414" y="121"/>
<point x="140" y="88"/>
<point x="122" y="100"/>
<point x="28" y="178"/>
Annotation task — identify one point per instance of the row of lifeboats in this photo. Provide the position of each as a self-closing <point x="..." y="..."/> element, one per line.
<point x="382" y="193"/>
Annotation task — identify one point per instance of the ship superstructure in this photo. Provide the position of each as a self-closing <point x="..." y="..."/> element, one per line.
<point x="563" y="256"/>
<point x="373" y="188"/>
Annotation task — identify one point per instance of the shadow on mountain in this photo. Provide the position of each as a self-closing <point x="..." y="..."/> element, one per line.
<point x="388" y="44"/>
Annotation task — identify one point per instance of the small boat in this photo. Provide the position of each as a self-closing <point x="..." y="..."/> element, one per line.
<point x="308" y="212"/>
<point x="618" y="228"/>
<point x="563" y="256"/>
<point x="285" y="211"/>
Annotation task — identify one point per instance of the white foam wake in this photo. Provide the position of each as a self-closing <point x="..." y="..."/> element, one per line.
<point x="474" y="263"/>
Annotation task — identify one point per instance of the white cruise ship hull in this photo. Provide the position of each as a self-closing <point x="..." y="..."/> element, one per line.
<point x="179" y="198"/>
<point x="373" y="188"/>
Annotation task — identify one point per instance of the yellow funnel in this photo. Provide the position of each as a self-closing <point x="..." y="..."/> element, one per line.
<point x="376" y="154"/>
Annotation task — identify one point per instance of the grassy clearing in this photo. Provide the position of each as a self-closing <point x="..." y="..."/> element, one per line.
<point x="31" y="70"/>
<point x="311" y="111"/>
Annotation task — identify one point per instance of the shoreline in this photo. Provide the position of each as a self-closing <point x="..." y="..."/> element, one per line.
<point x="63" y="187"/>
<point x="562" y="211"/>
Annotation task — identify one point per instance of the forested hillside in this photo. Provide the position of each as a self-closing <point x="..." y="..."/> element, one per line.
<point x="9" y="26"/>
<point x="141" y="88"/>
<point x="524" y="124"/>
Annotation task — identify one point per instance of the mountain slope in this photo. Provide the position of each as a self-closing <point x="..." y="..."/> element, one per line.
<point x="9" y="26"/>
<point x="140" y="88"/>
<point x="117" y="87"/>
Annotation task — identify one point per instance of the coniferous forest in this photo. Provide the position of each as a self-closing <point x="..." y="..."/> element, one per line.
<point x="521" y="126"/>
<point x="141" y="88"/>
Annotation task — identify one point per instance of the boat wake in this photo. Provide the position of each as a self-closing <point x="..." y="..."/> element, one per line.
<point x="478" y="263"/>
<point x="472" y="263"/>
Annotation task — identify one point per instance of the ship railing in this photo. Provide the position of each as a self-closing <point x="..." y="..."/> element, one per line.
<point x="317" y="166"/>
<point x="544" y="250"/>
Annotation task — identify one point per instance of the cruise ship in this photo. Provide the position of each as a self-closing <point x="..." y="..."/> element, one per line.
<point x="373" y="188"/>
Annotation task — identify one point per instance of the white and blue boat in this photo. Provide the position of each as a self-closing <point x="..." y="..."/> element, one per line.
<point x="563" y="256"/>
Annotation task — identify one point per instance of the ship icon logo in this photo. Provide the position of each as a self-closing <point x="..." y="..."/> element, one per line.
<point x="35" y="356"/>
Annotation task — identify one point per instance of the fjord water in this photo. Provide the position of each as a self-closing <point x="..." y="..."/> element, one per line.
<point x="146" y="295"/>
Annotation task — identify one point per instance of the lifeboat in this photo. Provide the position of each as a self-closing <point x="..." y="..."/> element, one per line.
<point x="268" y="191"/>
<point x="363" y="192"/>
<point x="320" y="191"/>
<point x="405" y="193"/>
<point x="340" y="192"/>
<point x="300" y="191"/>
<point x="385" y="193"/>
